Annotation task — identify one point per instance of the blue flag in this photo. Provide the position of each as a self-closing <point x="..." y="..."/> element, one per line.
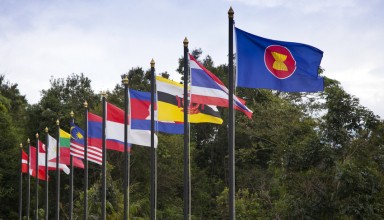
<point x="77" y="146"/>
<point x="278" y="65"/>
<point x="77" y="134"/>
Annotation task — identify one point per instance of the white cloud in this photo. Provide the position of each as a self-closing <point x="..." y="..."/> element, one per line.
<point x="105" y="39"/>
<point x="304" y="5"/>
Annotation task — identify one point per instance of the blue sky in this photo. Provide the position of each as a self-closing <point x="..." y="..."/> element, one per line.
<point x="103" y="39"/>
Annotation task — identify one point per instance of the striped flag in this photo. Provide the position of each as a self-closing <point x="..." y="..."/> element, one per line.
<point x="32" y="165"/>
<point x="65" y="151"/>
<point x="77" y="146"/>
<point x="51" y="156"/>
<point x="140" y="105"/>
<point x="171" y="105"/>
<point x="115" y="130"/>
<point x="24" y="163"/>
<point x="206" y="88"/>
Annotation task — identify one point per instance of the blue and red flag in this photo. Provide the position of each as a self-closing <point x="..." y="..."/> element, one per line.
<point x="95" y="124"/>
<point x="115" y="129"/>
<point x="94" y="153"/>
<point x="141" y="115"/>
<point x="278" y="65"/>
<point x="206" y="88"/>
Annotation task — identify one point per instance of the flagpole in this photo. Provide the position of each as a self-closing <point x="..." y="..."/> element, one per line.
<point x="187" y="208"/>
<point x="231" y="129"/>
<point x="104" y="181"/>
<point x="58" y="170"/>
<point x="21" y="184"/>
<point x="71" y="179"/>
<point x="46" y="172"/>
<point x="126" y="162"/>
<point x="28" y="180"/>
<point x="85" y="160"/>
<point x="37" y="178"/>
<point x="153" y="151"/>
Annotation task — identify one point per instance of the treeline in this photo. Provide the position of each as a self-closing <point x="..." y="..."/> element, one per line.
<point x="302" y="156"/>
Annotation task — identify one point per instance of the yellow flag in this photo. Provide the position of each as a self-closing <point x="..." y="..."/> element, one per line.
<point x="170" y="95"/>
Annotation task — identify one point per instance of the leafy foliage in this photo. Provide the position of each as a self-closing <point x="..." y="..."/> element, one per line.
<point x="302" y="156"/>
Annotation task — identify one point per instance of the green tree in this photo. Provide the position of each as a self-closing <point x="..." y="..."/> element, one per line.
<point x="12" y="111"/>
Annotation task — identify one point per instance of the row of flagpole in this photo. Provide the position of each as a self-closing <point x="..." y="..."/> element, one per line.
<point x="187" y="199"/>
<point x="153" y="177"/>
<point x="153" y="161"/>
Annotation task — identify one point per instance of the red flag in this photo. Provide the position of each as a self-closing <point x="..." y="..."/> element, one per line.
<point x="32" y="166"/>
<point x="24" y="162"/>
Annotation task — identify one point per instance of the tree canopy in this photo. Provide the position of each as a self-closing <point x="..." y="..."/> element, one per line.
<point x="301" y="156"/>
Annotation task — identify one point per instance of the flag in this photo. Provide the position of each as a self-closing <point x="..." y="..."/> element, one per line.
<point x="170" y="105"/>
<point x="115" y="130"/>
<point x="206" y="88"/>
<point x="140" y="105"/>
<point x="65" y="151"/>
<point x="51" y="156"/>
<point x="95" y="132"/>
<point x="32" y="165"/>
<point x="24" y="162"/>
<point x="77" y="146"/>
<point x="279" y="65"/>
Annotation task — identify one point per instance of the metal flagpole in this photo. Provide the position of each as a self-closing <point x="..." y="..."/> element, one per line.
<point x="21" y="184"/>
<point x="71" y="179"/>
<point x="57" y="207"/>
<point x="37" y="178"/>
<point x="126" y="165"/>
<point x="104" y="181"/>
<point x="231" y="128"/>
<point x="28" y="180"/>
<point x="153" y="150"/>
<point x="85" y="160"/>
<point x="187" y="208"/>
<point x="46" y="172"/>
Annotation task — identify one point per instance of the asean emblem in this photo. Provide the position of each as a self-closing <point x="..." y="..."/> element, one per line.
<point x="279" y="61"/>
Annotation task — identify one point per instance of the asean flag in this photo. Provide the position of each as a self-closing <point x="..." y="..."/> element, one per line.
<point x="278" y="65"/>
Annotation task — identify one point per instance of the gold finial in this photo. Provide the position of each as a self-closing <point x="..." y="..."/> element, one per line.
<point x="72" y="114"/>
<point x="37" y="135"/>
<point x="85" y="104"/>
<point x="125" y="79"/>
<point x="21" y="145"/>
<point x="57" y="122"/>
<point x="46" y="129"/>
<point x="152" y="63"/>
<point x="230" y="12"/>
<point x="185" y="42"/>
<point x="28" y="141"/>
<point x="104" y="94"/>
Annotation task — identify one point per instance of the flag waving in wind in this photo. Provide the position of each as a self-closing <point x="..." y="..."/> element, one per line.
<point x="115" y="130"/>
<point x="279" y="65"/>
<point x="170" y="102"/>
<point x="24" y="163"/>
<point x="51" y="156"/>
<point x="65" y="151"/>
<point x="40" y="172"/>
<point x="140" y="105"/>
<point x="206" y="88"/>
<point x="77" y="146"/>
